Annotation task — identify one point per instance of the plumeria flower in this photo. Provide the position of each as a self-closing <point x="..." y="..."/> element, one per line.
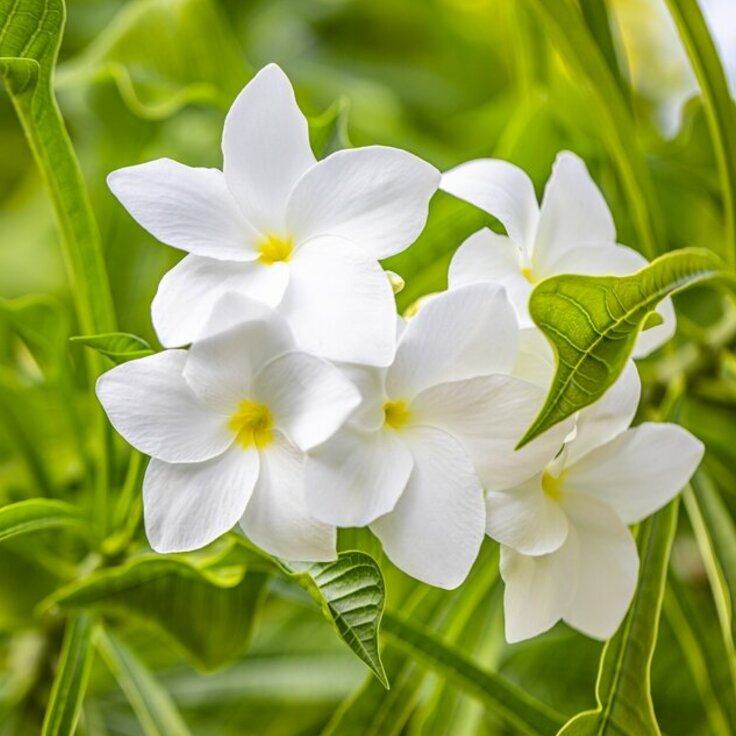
<point x="572" y="232"/>
<point x="282" y="228"/>
<point x="434" y="428"/>
<point x="567" y="553"/>
<point x="226" y="424"/>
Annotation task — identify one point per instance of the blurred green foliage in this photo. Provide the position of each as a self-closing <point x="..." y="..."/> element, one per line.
<point x="446" y="79"/>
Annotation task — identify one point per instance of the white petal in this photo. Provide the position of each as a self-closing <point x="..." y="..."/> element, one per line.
<point x="488" y="416"/>
<point x="484" y="256"/>
<point x="265" y="145"/>
<point x="538" y="589"/>
<point x="639" y="471"/>
<point x="188" y="505"/>
<point x="188" y="292"/>
<point x="501" y="189"/>
<point x="190" y="209"/>
<point x="535" y="359"/>
<point x="276" y="518"/>
<point x="653" y="338"/>
<point x="619" y="260"/>
<point x="340" y="304"/>
<point x="369" y="380"/>
<point x="309" y="398"/>
<point x="435" y="531"/>
<point x="487" y="256"/>
<point x="376" y="197"/>
<point x="462" y="333"/>
<point x="573" y="213"/>
<point x="152" y="406"/>
<point x="607" y="417"/>
<point x="608" y="566"/>
<point x="356" y="476"/>
<point x="526" y="519"/>
<point x="221" y="368"/>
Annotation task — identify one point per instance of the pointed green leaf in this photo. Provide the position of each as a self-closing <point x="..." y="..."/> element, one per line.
<point x="208" y="613"/>
<point x="623" y="687"/>
<point x="153" y="706"/>
<point x="350" y="591"/>
<point x="36" y="514"/>
<point x="118" y="346"/>
<point x="70" y="682"/>
<point x="592" y="323"/>
<point x="352" y="596"/>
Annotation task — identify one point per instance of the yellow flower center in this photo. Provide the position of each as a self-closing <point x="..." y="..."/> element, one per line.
<point x="396" y="414"/>
<point x="552" y="486"/>
<point x="274" y="249"/>
<point x="526" y="272"/>
<point x="252" y="424"/>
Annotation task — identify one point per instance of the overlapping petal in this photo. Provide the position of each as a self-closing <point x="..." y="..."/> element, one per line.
<point x="501" y="189"/>
<point x="265" y="144"/>
<point x="276" y="517"/>
<point x="188" y="292"/>
<point x="377" y="197"/>
<point x="463" y="333"/>
<point x="308" y="397"/>
<point x="187" y="208"/>
<point x="538" y="590"/>
<point x="221" y="368"/>
<point x="525" y="519"/>
<point x="153" y="407"/>
<point x="488" y="415"/>
<point x="340" y="304"/>
<point x="607" y="568"/>
<point x="435" y="531"/>
<point x="638" y="471"/>
<point x="357" y="476"/>
<point x="187" y="506"/>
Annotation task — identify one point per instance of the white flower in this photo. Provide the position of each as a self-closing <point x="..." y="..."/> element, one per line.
<point x="567" y="552"/>
<point x="226" y="424"/>
<point x="434" y="428"/>
<point x="282" y="228"/>
<point x="572" y="232"/>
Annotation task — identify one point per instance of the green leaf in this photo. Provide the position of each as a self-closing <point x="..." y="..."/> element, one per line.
<point x="208" y="613"/>
<point x="70" y="682"/>
<point x="718" y="104"/>
<point x="623" y="687"/>
<point x="328" y="132"/>
<point x="506" y="700"/>
<point x="153" y="706"/>
<point x="715" y="533"/>
<point x="118" y="346"/>
<point x="163" y="55"/>
<point x="36" y="514"/>
<point x="352" y="596"/>
<point x="30" y="34"/>
<point x="350" y="591"/>
<point x="593" y="322"/>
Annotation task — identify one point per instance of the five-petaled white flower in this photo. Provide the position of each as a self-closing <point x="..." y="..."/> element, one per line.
<point x="226" y="424"/>
<point x="567" y="552"/>
<point x="282" y="228"/>
<point x="572" y="232"/>
<point x="434" y="428"/>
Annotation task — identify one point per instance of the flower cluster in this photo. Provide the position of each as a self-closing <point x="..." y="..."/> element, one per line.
<point x="305" y="403"/>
